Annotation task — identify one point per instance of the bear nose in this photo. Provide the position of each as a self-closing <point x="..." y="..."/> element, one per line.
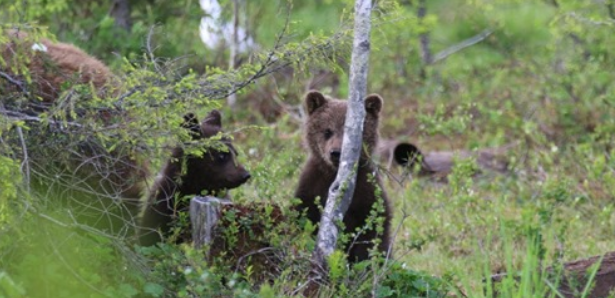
<point x="246" y="176"/>
<point x="335" y="155"/>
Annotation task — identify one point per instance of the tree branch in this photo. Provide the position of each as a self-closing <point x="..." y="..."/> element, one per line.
<point x="17" y="83"/>
<point x="25" y="117"/>
<point x="26" y="161"/>
<point x="583" y="19"/>
<point x="462" y="45"/>
<point x="150" y="49"/>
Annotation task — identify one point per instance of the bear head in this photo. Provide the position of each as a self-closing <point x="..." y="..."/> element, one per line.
<point x="217" y="168"/>
<point x="324" y="129"/>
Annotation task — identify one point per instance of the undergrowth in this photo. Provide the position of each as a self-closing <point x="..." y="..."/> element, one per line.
<point x="540" y="81"/>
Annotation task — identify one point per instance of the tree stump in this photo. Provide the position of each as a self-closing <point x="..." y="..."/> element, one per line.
<point x="236" y="235"/>
<point x="204" y="215"/>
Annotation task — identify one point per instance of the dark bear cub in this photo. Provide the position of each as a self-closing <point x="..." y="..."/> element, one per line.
<point x="184" y="174"/>
<point x="324" y="132"/>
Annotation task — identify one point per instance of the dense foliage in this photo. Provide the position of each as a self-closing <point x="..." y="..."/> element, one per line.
<point x="538" y="77"/>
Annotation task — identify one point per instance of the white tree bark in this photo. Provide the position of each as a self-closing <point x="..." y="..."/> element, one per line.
<point x="232" y="99"/>
<point x="204" y="215"/>
<point x="342" y="189"/>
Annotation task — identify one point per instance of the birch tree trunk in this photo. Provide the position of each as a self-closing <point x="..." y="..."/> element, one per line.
<point x="234" y="44"/>
<point x="342" y="189"/>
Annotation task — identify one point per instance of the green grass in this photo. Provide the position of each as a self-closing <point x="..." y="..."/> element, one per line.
<point x="528" y="82"/>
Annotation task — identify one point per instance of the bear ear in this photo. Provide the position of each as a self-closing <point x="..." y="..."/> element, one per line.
<point x="212" y="124"/>
<point x="373" y="104"/>
<point x="406" y="154"/>
<point x="191" y="123"/>
<point x="213" y="119"/>
<point x="314" y="100"/>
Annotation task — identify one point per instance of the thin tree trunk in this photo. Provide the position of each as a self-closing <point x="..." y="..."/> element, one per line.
<point x="342" y="189"/>
<point x="424" y="40"/>
<point x="610" y="6"/>
<point x="120" y="12"/>
<point x="232" y="99"/>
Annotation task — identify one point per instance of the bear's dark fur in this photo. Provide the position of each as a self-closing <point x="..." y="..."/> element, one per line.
<point x="211" y="173"/>
<point x="324" y="131"/>
<point x="437" y="165"/>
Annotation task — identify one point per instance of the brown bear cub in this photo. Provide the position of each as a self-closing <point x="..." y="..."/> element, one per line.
<point x="324" y="131"/>
<point x="114" y="179"/>
<point x="54" y="66"/>
<point x="213" y="172"/>
<point x="51" y="66"/>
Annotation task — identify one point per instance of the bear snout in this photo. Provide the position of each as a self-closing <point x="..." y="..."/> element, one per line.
<point x="335" y="155"/>
<point x="246" y="176"/>
<point x="236" y="179"/>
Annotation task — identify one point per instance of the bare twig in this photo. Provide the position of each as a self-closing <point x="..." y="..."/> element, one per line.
<point x="221" y="86"/>
<point x="150" y="49"/>
<point x="53" y="220"/>
<point x="76" y="224"/>
<point x="274" y="62"/>
<point x="26" y="161"/>
<point x="462" y="45"/>
<point x="386" y="266"/>
<point x="582" y="19"/>
<point x="311" y="281"/>
<point x="26" y="117"/>
<point x="254" y="252"/>
<point x="15" y="82"/>
<point x="269" y="62"/>
<point x="120" y="100"/>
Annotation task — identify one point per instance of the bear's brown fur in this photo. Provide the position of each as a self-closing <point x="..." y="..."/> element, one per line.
<point x="211" y="173"/>
<point x="324" y="131"/>
<point x="52" y="66"/>
<point x="86" y="166"/>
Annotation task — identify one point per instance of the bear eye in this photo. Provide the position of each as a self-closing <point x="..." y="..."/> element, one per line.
<point x="222" y="156"/>
<point x="328" y="134"/>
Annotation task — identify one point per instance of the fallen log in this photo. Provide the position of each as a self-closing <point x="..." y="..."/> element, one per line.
<point x="573" y="278"/>
<point x="439" y="163"/>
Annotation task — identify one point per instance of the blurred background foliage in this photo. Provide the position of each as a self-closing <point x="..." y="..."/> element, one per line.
<point x="538" y="74"/>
